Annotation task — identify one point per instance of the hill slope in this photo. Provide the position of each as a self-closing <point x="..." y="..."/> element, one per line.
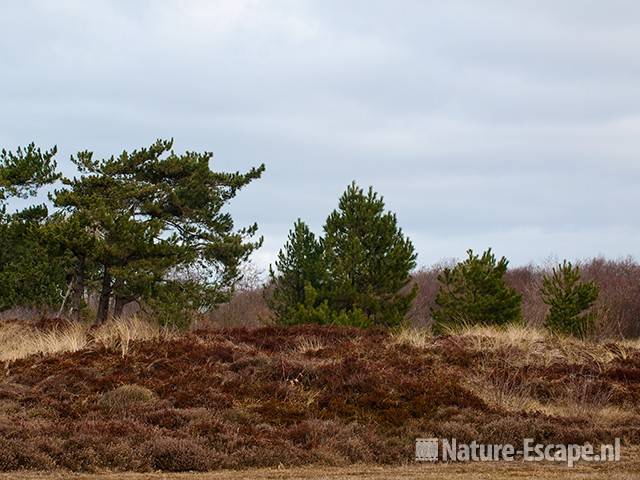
<point x="308" y="395"/>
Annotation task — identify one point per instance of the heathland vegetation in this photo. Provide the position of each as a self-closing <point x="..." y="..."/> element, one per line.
<point x="345" y="355"/>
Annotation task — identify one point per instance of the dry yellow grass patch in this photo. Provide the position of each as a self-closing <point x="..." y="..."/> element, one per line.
<point x="119" y="333"/>
<point x="309" y="345"/>
<point x="514" y="347"/>
<point x="415" y="337"/>
<point x="536" y="346"/>
<point x="19" y="340"/>
<point x="517" y="397"/>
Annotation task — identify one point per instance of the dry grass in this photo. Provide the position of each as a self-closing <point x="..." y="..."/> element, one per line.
<point x="119" y="333"/>
<point x="309" y="345"/>
<point x="416" y="337"/>
<point x="531" y="345"/>
<point x="20" y="339"/>
<point x="507" y="359"/>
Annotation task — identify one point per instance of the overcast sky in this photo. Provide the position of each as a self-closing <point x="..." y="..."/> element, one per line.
<point x="514" y="125"/>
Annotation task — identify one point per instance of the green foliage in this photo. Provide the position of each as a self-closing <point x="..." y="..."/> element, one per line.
<point x="31" y="274"/>
<point x="314" y="310"/>
<point x="24" y="171"/>
<point x="368" y="259"/>
<point x="569" y="300"/>
<point x="149" y="226"/>
<point x="355" y="275"/>
<point x="300" y="275"/>
<point x="475" y="292"/>
<point x="305" y="310"/>
<point x="146" y="226"/>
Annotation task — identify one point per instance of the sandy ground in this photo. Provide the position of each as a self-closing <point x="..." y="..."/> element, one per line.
<point x="627" y="468"/>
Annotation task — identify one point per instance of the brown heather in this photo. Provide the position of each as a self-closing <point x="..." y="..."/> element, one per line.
<point x="307" y="395"/>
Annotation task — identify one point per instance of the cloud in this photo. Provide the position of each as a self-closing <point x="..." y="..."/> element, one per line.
<point x="513" y="124"/>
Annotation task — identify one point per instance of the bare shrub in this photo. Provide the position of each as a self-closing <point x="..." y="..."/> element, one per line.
<point x="247" y="308"/>
<point x="427" y="281"/>
<point x="527" y="281"/>
<point x="619" y="300"/>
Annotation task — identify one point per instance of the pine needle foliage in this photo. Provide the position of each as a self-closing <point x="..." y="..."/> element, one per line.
<point x="475" y="292"/>
<point x="570" y="301"/>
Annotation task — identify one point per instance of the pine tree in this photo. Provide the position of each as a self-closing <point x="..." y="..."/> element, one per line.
<point x="298" y="278"/>
<point x="475" y="292"/>
<point x="149" y="225"/>
<point x="368" y="261"/>
<point x="24" y="171"/>
<point x="31" y="274"/>
<point x="569" y="300"/>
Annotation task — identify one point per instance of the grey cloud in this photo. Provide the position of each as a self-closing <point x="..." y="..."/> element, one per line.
<point x="513" y="124"/>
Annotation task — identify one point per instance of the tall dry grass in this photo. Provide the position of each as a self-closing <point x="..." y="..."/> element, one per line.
<point x="19" y="339"/>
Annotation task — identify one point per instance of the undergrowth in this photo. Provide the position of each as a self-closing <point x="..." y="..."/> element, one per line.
<point x="138" y="398"/>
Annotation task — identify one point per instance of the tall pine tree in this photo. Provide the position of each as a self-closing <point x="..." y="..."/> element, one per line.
<point x="368" y="259"/>
<point x="356" y="274"/>
<point x="153" y="227"/>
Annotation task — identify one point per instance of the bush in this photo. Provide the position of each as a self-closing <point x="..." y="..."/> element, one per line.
<point x="570" y="300"/>
<point x="475" y="292"/>
<point x="125" y="396"/>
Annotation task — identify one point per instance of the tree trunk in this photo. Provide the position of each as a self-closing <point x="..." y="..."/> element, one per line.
<point x="77" y="297"/>
<point x="105" y="297"/>
<point x="119" y="305"/>
<point x="120" y="298"/>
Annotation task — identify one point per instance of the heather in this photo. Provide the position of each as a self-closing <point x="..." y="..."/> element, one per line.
<point x="322" y="395"/>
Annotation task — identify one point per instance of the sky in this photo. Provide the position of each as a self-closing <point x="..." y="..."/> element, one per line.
<point x="511" y="125"/>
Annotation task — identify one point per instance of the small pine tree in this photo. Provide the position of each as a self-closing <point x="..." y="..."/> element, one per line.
<point x="475" y="292"/>
<point x="368" y="261"/>
<point x="569" y="300"/>
<point x="298" y="277"/>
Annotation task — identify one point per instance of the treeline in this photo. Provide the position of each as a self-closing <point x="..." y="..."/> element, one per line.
<point x="616" y="310"/>
<point x="359" y="273"/>
<point x="145" y="226"/>
<point x="149" y="227"/>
